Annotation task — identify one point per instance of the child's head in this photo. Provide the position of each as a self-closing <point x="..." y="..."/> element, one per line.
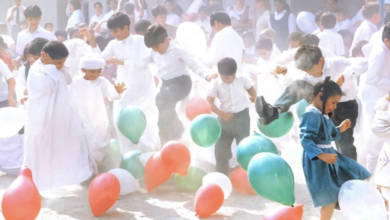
<point x="326" y="95"/>
<point x="386" y="35"/>
<point x="98" y="8"/>
<point x="227" y="68"/>
<point x="328" y="20"/>
<point x="61" y="35"/>
<point x="54" y="52"/>
<point x="309" y="59"/>
<point x="372" y="13"/>
<point x="219" y="21"/>
<point x="33" y="14"/>
<point x="49" y="26"/>
<point x="142" y="26"/>
<point x="310" y="39"/>
<point x="35" y="48"/>
<point x="160" y="14"/>
<point x="264" y="48"/>
<point x="119" y="25"/>
<point x="156" y="37"/>
<point x="92" y="66"/>
<point x="74" y="5"/>
<point x="294" y="40"/>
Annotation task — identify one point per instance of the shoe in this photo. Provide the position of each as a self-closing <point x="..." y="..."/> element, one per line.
<point x="267" y="113"/>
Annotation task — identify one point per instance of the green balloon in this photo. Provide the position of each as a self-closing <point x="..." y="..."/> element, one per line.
<point x="252" y="145"/>
<point x="192" y="181"/>
<point x="132" y="123"/>
<point x="301" y="107"/>
<point x="279" y="127"/>
<point x="113" y="157"/>
<point x="272" y="178"/>
<point x="205" y="130"/>
<point x="131" y="162"/>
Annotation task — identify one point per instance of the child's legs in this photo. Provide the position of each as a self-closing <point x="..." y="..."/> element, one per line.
<point x="327" y="211"/>
<point x="296" y="91"/>
<point x="242" y="125"/>
<point x="223" y="151"/>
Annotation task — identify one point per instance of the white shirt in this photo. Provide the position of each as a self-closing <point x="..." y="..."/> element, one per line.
<point x="332" y="41"/>
<point x="21" y="15"/>
<point x="174" y="62"/>
<point x="232" y="96"/>
<point x="262" y="23"/>
<point x="5" y="74"/>
<point x="226" y="43"/>
<point x="343" y="25"/>
<point x="205" y="25"/>
<point x="25" y="37"/>
<point x="364" y="32"/>
<point x="173" y="19"/>
<point x="75" y="18"/>
<point x="194" y="7"/>
<point x="96" y="19"/>
<point x="291" y="20"/>
<point x="378" y="74"/>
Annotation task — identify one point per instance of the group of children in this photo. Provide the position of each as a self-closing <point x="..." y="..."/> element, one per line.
<point x="67" y="96"/>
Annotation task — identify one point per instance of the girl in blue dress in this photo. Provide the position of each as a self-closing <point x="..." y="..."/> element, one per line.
<point x="325" y="169"/>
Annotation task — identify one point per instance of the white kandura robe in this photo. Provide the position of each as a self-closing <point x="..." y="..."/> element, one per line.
<point x="56" y="149"/>
<point x="89" y="100"/>
<point x="140" y="90"/>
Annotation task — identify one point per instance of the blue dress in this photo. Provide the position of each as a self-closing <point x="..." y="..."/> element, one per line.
<point x="317" y="132"/>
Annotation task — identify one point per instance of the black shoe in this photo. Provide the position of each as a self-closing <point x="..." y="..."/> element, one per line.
<point x="267" y="113"/>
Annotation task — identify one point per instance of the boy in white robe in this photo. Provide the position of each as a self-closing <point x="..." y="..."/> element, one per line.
<point x="56" y="147"/>
<point x="89" y="93"/>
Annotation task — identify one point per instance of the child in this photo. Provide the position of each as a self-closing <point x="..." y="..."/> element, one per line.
<point x="56" y="147"/>
<point x="233" y="112"/>
<point x="325" y="168"/>
<point x="89" y="93"/>
<point x="330" y="39"/>
<point x="172" y="63"/>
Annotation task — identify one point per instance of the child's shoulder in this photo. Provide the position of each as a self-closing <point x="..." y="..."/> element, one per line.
<point x="311" y="115"/>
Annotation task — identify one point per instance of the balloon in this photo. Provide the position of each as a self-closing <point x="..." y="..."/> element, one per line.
<point x="21" y="200"/>
<point x="131" y="162"/>
<point x="197" y="106"/>
<point x="205" y="130"/>
<point x="221" y="180"/>
<point x="279" y="127"/>
<point x="132" y="123"/>
<point x="272" y="178"/>
<point x="208" y="199"/>
<point x="240" y="181"/>
<point x="113" y="158"/>
<point x="156" y="173"/>
<point x="103" y="192"/>
<point x="127" y="182"/>
<point x="192" y="181"/>
<point x="176" y="157"/>
<point x="11" y="121"/>
<point x="287" y="213"/>
<point x="359" y="200"/>
<point x="306" y="22"/>
<point x="252" y="145"/>
<point x="301" y="107"/>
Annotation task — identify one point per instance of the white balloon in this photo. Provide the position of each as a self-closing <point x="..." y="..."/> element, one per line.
<point x="191" y="38"/>
<point x="221" y="180"/>
<point x="11" y="121"/>
<point x="127" y="182"/>
<point x="361" y="201"/>
<point x="306" y="22"/>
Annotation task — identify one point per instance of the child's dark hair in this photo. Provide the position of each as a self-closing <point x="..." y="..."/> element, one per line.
<point x="310" y="39"/>
<point x="386" y="32"/>
<point x="227" y="66"/>
<point x="142" y="26"/>
<point x="264" y="44"/>
<point x="328" y="88"/>
<point x="56" y="50"/>
<point x="36" y="45"/>
<point x="118" y="20"/>
<point x="370" y="9"/>
<point x="60" y="33"/>
<point x="33" y="11"/>
<point x="328" y="20"/>
<point x="159" y="10"/>
<point x="221" y="17"/>
<point x="155" y="35"/>
<point x="76" y="4"/>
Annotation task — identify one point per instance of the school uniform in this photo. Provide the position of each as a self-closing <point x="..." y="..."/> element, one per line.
<point x="332" y="41"/>
<point x="283" y="23"/>
<point x="364" y="32"/>
<point x="75" y="18"/>
<point x="25" y="37"/>
<point x="317" y="131"/>
<point x="234" y="99"/>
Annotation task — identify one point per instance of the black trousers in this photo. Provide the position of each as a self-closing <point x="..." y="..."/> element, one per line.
<point x="346" y="110"/>
<point x="171" y="92"/>
<point x="236" y="128"/>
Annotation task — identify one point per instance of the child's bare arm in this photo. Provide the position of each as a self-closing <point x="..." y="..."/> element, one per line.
<point x="120" y="87"/>
<point x="252" y="94"/>
<point x="224" y="115"/>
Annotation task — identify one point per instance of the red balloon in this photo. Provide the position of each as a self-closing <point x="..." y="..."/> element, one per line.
<point x="156" y="173"/>
<point x="103" y="192"/>
<point x="287" y="213"/>
<point x="197" y="106"/>
<point x="240" y="181"/>
<point x="21" y="200"/>
<point x="208" y="200"/>
<point x="176" y="157"/>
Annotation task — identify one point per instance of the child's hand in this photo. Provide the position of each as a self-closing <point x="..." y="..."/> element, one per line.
<point x="345" y="125"/>
<point x="328" y="158"/>
<point x="340" y="80"/>
<point x="280" y="70"/>
<point x="120" y="87"/>
<point x="115" y="61"/>
<point x="211" y="77"/>
<point x="252" y="98"/>
<point x="226" y="116"/>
